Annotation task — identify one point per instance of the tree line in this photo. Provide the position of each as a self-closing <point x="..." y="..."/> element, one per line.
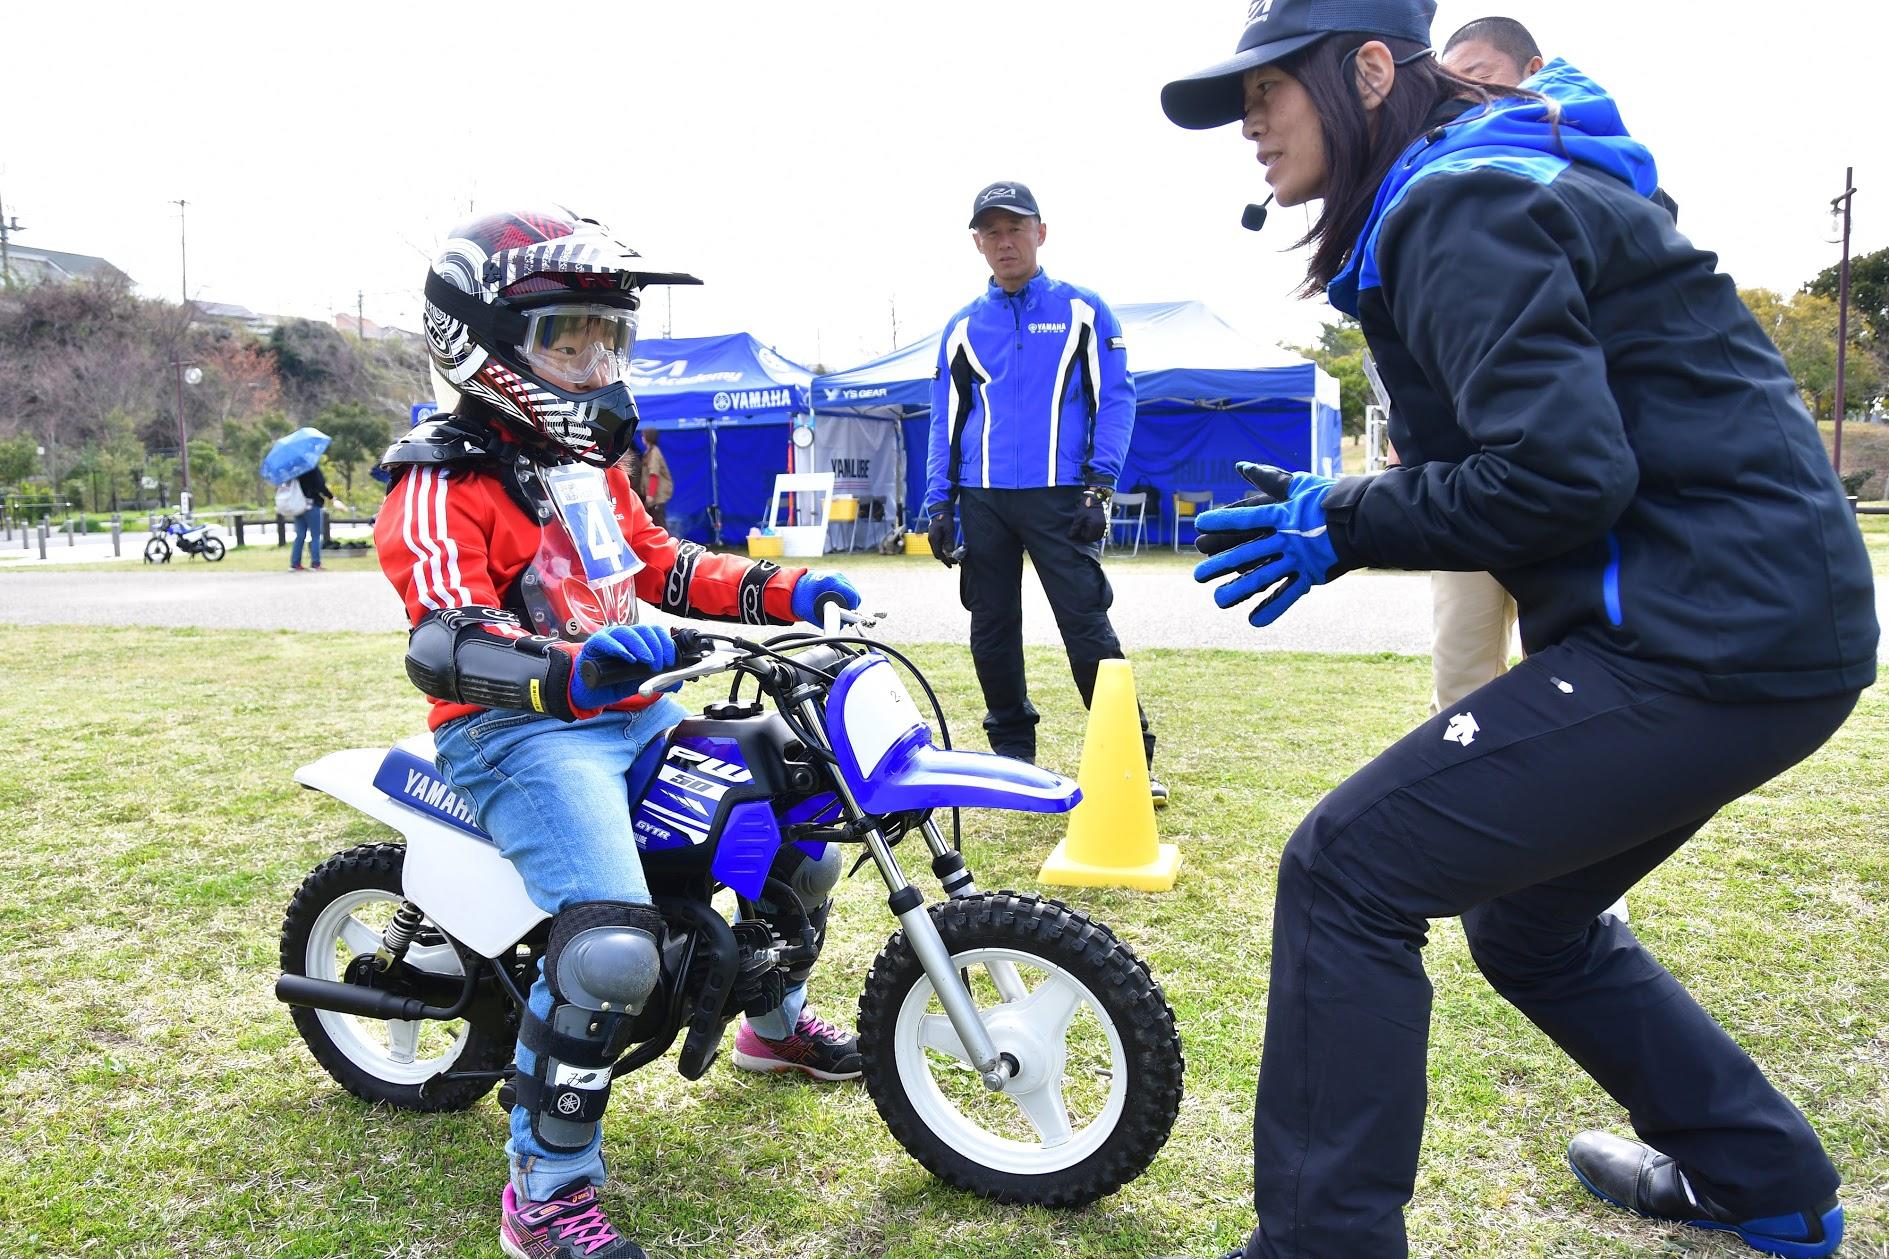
<point x="89" y="397"/>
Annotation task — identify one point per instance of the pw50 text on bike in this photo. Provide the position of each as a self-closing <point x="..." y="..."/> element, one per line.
<point x="1013" y="1045"/>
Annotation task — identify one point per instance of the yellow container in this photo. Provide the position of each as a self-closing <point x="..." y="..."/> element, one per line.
<point x="917" y="544"/>
<point x="844" y="509"/>
<point x="764" y="546"/>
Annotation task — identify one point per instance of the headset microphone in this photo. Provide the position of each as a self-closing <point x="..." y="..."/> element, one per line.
<point x="1254" y="217"/>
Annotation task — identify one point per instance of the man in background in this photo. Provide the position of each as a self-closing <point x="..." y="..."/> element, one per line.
<point x="1493" y="50"/>
<point x="1473" y="616"/>
<point x="1031" y="411"/>
<point x="657" y="486"/>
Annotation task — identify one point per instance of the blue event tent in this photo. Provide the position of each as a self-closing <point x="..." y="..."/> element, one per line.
<point x="1206" y="397"/>
<point x="724" y="406"/>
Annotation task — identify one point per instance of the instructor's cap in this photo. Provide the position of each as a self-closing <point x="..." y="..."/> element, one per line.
<point x="1279" y="28"/>
<point x="1005" y="194"/>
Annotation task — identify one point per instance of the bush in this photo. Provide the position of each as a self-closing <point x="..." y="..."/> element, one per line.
<point x="1853" y="482"/>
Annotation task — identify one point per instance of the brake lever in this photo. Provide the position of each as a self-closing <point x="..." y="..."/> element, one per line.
<point x="714" y="662"/>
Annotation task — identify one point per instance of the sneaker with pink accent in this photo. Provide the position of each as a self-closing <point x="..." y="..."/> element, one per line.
<point x="817" y="1048"/>
<point x="570" y="1224"/>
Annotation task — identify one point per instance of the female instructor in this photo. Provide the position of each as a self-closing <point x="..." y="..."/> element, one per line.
<point x="1586" y="409"/>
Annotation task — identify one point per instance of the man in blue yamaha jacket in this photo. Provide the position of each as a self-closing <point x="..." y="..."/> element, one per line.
<point x="1031" y="410"/>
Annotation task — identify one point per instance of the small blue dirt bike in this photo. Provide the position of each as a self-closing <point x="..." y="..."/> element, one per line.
<point x="184" y="534"/>
<point x="1012" y="1044"/>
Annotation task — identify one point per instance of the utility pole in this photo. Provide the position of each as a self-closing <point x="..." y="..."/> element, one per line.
<point x="1842" y="204"/>
<point x="183" y="254"/>
<point x="893" y="302"/>
<point x="7" y="228"/>
<point x="360" y="319"/>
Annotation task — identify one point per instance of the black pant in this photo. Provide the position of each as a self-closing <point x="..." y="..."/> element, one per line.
<point x="1527" y="808"/>
<point x="999" y="526"/>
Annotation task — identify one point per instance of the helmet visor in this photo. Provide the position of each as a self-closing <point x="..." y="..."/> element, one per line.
<point x="579" y="347"/>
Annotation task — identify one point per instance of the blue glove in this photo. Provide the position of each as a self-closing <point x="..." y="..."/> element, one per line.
<point x="1273" y="539"/>
<point x="633" y="652"/>
<point x="811" y="586"/>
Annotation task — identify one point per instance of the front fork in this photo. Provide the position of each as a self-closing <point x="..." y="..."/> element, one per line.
<point x="908" y="906"/>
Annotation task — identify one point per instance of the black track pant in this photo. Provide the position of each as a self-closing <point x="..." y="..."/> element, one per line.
<point x="1563" y="785"/>
<point x="999" y="527"/>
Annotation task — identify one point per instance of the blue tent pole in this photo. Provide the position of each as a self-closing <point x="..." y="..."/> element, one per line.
<point x="714" y="489"/>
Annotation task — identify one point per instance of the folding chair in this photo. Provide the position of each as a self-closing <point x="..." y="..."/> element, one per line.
<point x="1188" y="504"/>
<point x="1126" y="510"/>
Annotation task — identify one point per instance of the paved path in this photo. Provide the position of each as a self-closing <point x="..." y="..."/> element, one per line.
<point x="1157" y="604"/>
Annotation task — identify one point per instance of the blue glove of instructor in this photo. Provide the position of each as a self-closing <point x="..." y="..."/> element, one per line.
<point x="646" y="649"/>
<point x="811" y="586"/>
<point x="1274" y="540"/>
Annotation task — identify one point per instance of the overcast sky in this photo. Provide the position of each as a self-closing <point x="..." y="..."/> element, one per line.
<point x="814" y="162"/>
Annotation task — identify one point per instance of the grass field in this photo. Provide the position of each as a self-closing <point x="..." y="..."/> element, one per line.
<point x="159" y="1102"/>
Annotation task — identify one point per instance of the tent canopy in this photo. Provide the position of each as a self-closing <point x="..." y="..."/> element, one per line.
<point x="1270" y="405"/>
<point x="725" y="381"/>
<point x="724" y="405"/>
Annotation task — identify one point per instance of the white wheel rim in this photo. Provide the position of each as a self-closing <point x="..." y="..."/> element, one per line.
<point x="386" y="1049"/>
<point x="1035" y="1030"/>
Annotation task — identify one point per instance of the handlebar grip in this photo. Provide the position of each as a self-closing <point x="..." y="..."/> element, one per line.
<point x="602" y="673"/>
<point x="691" y="648"/>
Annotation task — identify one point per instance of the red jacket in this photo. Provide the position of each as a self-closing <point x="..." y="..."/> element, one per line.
<point x="453" y="538"/>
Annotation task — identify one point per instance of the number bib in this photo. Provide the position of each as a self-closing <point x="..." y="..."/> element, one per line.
<point x="579" y="581"/>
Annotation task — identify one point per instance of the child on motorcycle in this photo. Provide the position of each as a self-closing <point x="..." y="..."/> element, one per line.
<point x="522" y="554"/>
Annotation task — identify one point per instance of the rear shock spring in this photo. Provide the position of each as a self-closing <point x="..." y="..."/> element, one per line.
<point x="401" y="930"/>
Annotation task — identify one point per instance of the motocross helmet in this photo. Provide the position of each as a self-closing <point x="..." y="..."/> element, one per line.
<point x="533" y="314"/>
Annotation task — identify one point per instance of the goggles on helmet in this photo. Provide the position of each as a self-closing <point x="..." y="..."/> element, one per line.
<point x="579" y="346"/>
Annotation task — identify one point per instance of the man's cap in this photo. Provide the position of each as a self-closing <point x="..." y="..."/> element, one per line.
<point x="1279" y="28"/>
<point x="1005" y="194"/>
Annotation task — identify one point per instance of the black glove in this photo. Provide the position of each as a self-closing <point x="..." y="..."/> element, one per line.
<point x="943" y="536"/>
<point x="1090" y="522"/>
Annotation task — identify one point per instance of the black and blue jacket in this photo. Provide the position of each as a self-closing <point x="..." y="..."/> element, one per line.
<point x="1584" y="407"/>
<point x="1032" y="390"/>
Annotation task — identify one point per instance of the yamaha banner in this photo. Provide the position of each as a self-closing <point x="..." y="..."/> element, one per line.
<point x="864" y="458"/>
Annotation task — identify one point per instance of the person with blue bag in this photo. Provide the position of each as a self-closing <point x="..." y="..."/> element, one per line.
<point x="1633" y="463"/>
<point x="522" y="554"/>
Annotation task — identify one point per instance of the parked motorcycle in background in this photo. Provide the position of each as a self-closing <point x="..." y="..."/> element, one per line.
<point x="184" y="534"/>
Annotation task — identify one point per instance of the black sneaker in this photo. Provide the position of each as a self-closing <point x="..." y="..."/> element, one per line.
<point x="1638" y="1178"/>
<point x="1159" y="791"/>
<point x="570" y="1224"/>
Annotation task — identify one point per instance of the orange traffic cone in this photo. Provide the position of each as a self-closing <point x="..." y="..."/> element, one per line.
<point x="1112" y="840"/>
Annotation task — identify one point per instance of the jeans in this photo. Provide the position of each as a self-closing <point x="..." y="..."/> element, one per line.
<point x="1525" y="808"/>
<point x="554" y="796"/>
<point x="307" y="526"/>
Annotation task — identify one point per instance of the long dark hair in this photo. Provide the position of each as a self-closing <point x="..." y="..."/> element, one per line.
<point x="1357" y="154"/>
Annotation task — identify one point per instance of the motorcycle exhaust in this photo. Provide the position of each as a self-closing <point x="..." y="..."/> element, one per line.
<point x="323" y="994"/>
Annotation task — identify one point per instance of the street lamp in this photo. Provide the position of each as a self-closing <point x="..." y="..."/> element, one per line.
<point x="187" y="374"/>
<point x="1841" y="205"/>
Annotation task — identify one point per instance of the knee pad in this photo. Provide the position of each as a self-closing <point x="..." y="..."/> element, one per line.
<point x="605" y="955"/>
<point x="603" y="962"/>
<point x="812" y="878"/>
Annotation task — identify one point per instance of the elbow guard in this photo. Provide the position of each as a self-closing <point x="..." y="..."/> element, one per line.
<point x="484" y="656"/>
